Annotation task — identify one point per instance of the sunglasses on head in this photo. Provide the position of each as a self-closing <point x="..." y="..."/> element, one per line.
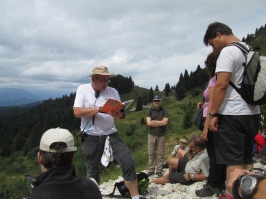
<point x="156" y="100"/>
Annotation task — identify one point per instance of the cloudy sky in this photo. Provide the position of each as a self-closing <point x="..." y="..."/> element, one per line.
<point x="51" y="45"/>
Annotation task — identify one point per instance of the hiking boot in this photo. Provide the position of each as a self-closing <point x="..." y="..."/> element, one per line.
<point x="207" y="190"/>
<point x="159" y="174"/>
<point x="150" y="173"/>
<point x="226" y="196"/>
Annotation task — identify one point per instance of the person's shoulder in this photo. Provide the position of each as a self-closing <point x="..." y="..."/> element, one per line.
<point x="111" y="89"/>
<point x="163" y="109"/>
<point x="233" y="49"/>
<point x="87" y="183"/>
<point x="87" y="186"/>
<point x="84" y="86"/>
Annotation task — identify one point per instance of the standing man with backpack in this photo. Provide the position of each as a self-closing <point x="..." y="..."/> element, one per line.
<point x="233" y="121"/>
<point x="157" y="119"/>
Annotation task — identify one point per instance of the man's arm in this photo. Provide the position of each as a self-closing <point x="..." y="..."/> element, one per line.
<point x="149" y="122"/>
<point x="190" y="176"/>
<point x="219" y="92"/>
<point x="156" y="123"/>
<point x="85" y="112"/>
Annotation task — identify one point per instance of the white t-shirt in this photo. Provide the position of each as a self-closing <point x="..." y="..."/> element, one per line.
<point x="231" y="60"/>
<point x="103" y="123"/>
<point x="199" y="163"/>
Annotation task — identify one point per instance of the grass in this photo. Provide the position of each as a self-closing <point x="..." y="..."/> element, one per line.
<point x="13" y="168"/>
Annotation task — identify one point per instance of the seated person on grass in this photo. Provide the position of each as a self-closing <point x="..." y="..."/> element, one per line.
<point x="193" y="168"/>
<point x="178" y="153"/>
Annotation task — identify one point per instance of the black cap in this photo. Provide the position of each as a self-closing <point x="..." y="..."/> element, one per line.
<point x="157" y="97"/>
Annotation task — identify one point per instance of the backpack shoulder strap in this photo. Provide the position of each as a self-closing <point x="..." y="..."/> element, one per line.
<point x="245" y="51"/>
<point x="242" y="47"/>
<point x="151" y="109"/>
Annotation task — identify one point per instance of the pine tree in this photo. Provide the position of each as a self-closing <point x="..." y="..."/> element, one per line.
<point x="139" y="104"/>
<point x="156" y="88"/>
<point x="151" y="95"/>
<point x="142" y="121"/>
<point x="167" y="89"/>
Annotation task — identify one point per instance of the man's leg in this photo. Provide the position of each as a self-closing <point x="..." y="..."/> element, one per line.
<point x="172" y="164"/>
<point x="152" y="152"/>
<point x="160" y="153"/>
<point x="162" y="180"/>
<point x="217" y="172"/>
<point x="132" y="187"/>
<point x="92" y="149"/>
<point x="231" y="168"/>
<point x="125" y="160"/>
<point x="172" y="178"/>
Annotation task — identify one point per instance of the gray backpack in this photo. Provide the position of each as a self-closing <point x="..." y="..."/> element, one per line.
<point x="253" y="86"/>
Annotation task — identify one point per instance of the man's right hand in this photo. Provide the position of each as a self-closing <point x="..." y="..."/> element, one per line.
<point x="213" y="124"/>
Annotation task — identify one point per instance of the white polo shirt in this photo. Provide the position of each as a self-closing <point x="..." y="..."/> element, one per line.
<point x="103" y="123"/>
<point x="199" y="163"/>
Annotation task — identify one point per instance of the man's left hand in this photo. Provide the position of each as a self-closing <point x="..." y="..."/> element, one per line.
<point x="186" y="177"/>
<point x="118" y="114"/>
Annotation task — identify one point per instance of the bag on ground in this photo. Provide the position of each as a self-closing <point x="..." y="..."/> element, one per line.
<point x="253" y="86"/>
<point x="143" y="183"/>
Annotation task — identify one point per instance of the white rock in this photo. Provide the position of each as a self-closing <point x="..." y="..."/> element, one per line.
<point x="167" y="191"/>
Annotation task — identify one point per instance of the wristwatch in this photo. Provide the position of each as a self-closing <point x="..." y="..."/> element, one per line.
<point x="212" y="115"/>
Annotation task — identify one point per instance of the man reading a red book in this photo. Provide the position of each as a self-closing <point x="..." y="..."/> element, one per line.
<point x="97" y="126"/>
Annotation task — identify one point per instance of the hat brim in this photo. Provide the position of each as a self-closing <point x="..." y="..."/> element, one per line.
<point x="106" y="74"/>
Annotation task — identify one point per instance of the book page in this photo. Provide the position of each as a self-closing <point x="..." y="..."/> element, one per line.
<point x="127" y="103"/>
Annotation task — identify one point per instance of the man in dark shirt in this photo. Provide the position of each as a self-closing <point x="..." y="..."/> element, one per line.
<point x="58" y="178"/>
<point x="157" y="119"/>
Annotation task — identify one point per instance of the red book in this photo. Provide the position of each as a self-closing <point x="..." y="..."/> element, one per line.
<point x="115" y="105"/>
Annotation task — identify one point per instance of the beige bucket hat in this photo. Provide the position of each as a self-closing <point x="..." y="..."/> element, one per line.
<point x="100" y="70"/>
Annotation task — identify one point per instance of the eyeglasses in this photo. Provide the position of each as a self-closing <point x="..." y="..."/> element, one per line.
<point x="192" y="147"/>
<point x="182" y="142"/>
<point x="103" y="80"/>
<point x="156" y="100"/>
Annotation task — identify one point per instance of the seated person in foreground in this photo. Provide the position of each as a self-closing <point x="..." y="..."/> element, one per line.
<point x="58" y="178"/>
<point x="249" y="184"/>
<point x="197" y="168"/>
<point x="178" y="153"/>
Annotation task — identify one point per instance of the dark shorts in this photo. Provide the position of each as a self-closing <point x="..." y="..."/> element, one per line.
<point x="93" y="148"/>
<point x="178" y="177"/>
<point x="234" y="140"/>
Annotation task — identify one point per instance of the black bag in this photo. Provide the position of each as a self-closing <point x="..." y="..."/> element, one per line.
<point x="198" y="119"/>
<point x="143" y="183"/>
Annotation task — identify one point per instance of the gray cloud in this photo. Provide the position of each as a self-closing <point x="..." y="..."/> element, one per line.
<point x="53" y="45"/>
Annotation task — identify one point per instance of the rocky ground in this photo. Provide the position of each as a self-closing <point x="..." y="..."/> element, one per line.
<point x="167" y="191"/>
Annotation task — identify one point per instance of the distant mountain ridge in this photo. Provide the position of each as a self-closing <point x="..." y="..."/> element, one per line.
<point x="16" y="97"/>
